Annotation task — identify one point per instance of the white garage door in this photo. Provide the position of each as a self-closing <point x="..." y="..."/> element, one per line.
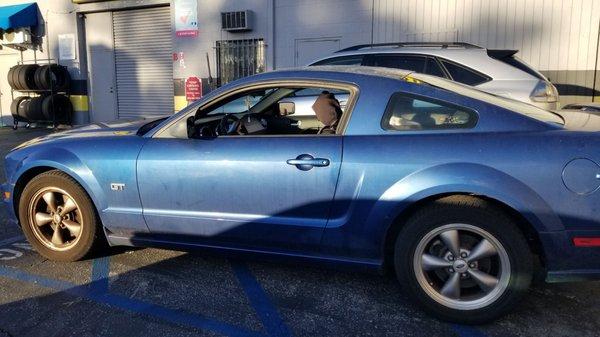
<point x="143" y="62"/>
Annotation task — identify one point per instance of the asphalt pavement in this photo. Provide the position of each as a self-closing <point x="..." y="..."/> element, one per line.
<point x="154" y="292"/>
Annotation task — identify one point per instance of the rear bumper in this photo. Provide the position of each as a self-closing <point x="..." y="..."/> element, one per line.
<point x="7" y="212"/>
<point x="565" y="262"/>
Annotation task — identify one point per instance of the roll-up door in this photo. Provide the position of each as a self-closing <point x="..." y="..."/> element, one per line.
<point x="143" y="62"/>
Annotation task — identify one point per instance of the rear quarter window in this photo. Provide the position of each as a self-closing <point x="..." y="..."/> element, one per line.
<point x="463" y="74"/>
<point x="406" y="112"/>
<point x="515" y="62"/>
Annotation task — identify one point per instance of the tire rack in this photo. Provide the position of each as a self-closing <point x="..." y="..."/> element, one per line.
<point x="51" y="91"/>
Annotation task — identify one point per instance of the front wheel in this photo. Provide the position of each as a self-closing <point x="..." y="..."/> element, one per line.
<point x="58" y="218"/>
<point x="463" y="260"/>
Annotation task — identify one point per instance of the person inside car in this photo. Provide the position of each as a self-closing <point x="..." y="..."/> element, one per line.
<point x="328" y="111"/>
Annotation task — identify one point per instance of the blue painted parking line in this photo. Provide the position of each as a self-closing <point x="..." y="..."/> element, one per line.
<point x="467" y="331"/>
<point x="260" y="301"/>
<point x="100" y="271"/>
<point x="9" y="241"/>
<point x="128" y="304"/>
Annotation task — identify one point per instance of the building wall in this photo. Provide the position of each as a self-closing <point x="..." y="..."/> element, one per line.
<point x="313" y="20"/>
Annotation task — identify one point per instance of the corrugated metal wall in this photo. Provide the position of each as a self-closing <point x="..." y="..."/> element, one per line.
<point x="143" y="61"/>
<point x="558" y="37"/>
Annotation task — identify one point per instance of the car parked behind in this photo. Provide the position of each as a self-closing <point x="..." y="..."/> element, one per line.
<point x="496" y="71"/>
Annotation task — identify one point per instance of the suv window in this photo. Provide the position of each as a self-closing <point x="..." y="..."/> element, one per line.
<point x="407" y="62"/>
<point x="464" y="75"/>
<point x="410" y="113"/>
<point x="352" y="60"/>
<point x="433" y="68"/>
<point x="515" y="62"/>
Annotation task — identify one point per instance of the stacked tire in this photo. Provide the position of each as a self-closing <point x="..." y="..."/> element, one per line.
<point x="51" y="76"/>
<point x="22" y="77"/>
<point x="45" y="80"/>
<point x="41" y="108"/>
<point x="36" y="77"/>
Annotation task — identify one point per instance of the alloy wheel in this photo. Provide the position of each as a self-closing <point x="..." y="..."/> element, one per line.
<point x="462" y="266"/>
<point x="55" y="218"/>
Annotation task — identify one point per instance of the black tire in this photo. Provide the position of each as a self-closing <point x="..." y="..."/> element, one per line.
<point x="37" y="78"/>
<point x="91" y="235"/>
<point x="62" y="108"/>
<point x="26" y="79"/>
<point x="16" y="75"/>
<point x="52" y="76"/>
<point x="34" y="109"/>
<point x="14" y="106"/>
<point x="483" y="216"/>
<point x="11" y="73"/>
<point x="23" y="108"/>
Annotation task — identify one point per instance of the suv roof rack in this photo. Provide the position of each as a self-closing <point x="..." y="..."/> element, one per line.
<point x="413" y="44"/>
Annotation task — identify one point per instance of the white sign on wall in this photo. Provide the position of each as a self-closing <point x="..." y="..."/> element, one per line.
<point x="186" y="18"/>
<point x="66" y="46"/>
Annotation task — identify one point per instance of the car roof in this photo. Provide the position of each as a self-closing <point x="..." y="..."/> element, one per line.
<point x="474" y="58"/>
<point x="391" y="73"/>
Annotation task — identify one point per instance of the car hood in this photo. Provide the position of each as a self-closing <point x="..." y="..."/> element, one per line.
<point x="122" y="127"/>
<point x="578" y="120"/>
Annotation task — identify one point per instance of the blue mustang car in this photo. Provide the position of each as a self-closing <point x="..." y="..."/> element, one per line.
<point x="460" y="192"/>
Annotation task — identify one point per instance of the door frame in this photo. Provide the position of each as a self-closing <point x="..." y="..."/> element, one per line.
<point x="202" y="104"/>
<point x="313" y="39"/>
<point x="89" y="66"/>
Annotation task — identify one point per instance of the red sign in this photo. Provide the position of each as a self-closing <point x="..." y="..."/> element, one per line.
<point x="186" y="33"/>
<point x="193" y="89"/>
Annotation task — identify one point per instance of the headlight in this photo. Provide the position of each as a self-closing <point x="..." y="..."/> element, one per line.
<point x="544" y="92"/>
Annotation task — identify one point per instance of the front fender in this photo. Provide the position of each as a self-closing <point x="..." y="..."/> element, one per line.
<point x="66" y="161"/>
<point x="466" y="178"/>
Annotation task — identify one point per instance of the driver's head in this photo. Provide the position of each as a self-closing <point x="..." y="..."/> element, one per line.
<point x="327" y="108"/>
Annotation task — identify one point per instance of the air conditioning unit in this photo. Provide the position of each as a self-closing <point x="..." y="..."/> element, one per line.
<point x="17" y="37"/>
<point x="240" y="21"/>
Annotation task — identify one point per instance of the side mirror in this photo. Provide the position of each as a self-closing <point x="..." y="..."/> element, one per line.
<point x="191" y="127"/>
<point x="286" y="108"/>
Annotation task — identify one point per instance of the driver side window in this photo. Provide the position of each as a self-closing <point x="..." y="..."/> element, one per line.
<point x="272" y="111"/>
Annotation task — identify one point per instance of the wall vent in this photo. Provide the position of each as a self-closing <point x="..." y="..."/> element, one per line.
<point x="239" y="21"/>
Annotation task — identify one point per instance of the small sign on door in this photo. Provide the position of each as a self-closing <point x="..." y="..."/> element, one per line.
<point x="193" y="89"/>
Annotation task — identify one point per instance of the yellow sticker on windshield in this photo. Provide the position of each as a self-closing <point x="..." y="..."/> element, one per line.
<point x="122" y="133"/>
<point x="411" y="79"/>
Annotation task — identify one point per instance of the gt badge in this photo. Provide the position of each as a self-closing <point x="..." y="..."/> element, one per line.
<point x="117" y="186"/>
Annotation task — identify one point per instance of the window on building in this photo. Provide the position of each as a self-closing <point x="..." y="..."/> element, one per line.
<point x="408" y="113"/>
<point x="463" y="75"/>
<point x="239" y="58"/>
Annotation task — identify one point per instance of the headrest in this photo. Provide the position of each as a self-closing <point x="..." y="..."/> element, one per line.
<point x="327" y="109"/>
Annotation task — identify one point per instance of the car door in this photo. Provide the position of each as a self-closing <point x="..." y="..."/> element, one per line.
<point x="242" y="191"/>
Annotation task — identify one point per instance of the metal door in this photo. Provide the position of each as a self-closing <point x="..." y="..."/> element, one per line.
<point x="101" y="67"/>
<point x="308" y="50"/>
<point x="143" y="62"/>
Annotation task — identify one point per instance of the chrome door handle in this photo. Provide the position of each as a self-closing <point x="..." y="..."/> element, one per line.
<point x="305" y="162"/>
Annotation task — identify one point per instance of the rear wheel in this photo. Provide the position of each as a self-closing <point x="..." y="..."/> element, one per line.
<point x="463" y="260"/>
<point x="58" y="217"/>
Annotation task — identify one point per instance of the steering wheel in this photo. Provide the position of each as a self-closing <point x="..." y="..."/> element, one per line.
<point x="227" y="125"/>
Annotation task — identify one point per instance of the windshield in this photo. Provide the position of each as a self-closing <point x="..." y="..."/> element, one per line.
<point x="504" y="102"/>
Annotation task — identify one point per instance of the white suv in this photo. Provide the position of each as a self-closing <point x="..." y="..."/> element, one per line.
<point x="492" y="70"/>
